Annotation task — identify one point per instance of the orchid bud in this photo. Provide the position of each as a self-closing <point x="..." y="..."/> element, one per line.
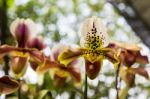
<point x="22" y="30"/>
<point x="94" y="34"/>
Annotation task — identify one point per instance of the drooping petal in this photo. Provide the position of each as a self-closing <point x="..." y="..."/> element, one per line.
<point x="5" y="49"/>
<point x="93" y="34"/>
<point x="18" y="65"/>
<point x="127" y="46"/>
<point x="8" y="85"/>
<point x="113" y="57"/>
<point x="37" y="43"/>
<point x="69" y="55"/>
<point x="46" y="66"/>
<point x="140" y="70"/>
<point x="141" y="59"/>
<point x="75" y="72"/>
<point x="92" y="69"/>
<point x="128" y="77"/>
<point x="32" y="54"/>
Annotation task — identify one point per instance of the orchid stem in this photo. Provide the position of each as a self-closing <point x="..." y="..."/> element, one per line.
<point x="19" y="90"/>
<point x="86" y="85"/>
<point x="117" y="81"/>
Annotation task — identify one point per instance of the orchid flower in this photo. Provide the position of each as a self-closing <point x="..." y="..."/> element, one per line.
<point x="129" y="54"/>
<point x="37" y="43"/>
<point x="60" y="72"/>
<point x="93" y="42"/>
<point x="23" y="30"/>
<point x="8" y="85"/>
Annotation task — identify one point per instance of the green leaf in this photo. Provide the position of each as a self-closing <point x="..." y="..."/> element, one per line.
<point x="43" y="93"/>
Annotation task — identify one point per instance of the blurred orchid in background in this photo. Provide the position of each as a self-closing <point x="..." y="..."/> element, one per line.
<point x="8" y="85"/>
<point x="23" y="30"/>
<point x="61" y="73"/>
<point x="129" y="55"/>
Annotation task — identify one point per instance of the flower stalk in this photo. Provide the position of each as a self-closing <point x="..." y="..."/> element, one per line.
<point x="117" y="81"/>
<point x="86" y="87"/>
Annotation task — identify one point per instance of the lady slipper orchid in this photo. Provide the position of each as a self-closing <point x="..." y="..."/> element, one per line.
<point x="23" y="31"/>
<point x="37" y="43"/>
<point x="94" y="39"/>
<point x="128" y="56"/>
<point x="59" y="71"/>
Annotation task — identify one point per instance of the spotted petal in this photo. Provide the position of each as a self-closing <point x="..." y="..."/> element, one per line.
<point x="93" y="34"/>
